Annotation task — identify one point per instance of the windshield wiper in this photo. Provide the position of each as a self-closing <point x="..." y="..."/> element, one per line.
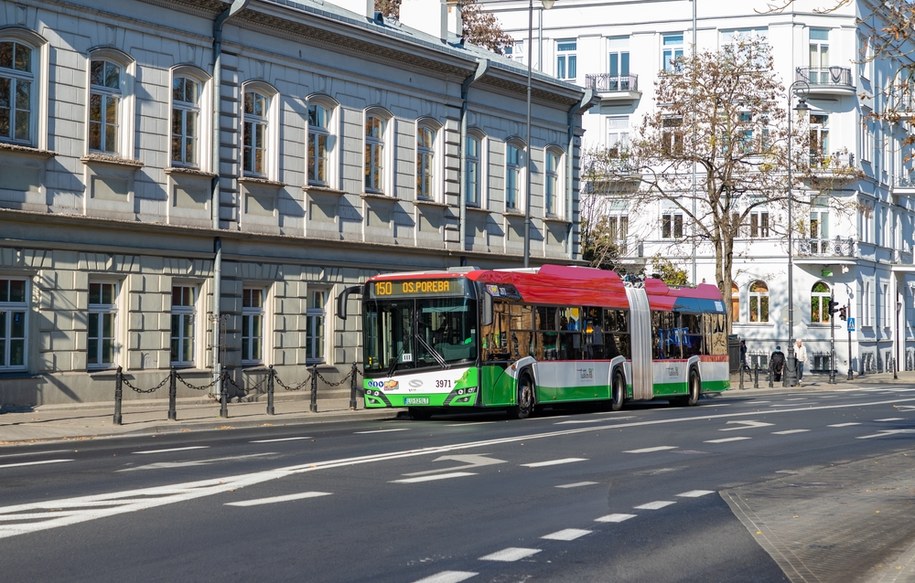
<point x="435" y="353"/>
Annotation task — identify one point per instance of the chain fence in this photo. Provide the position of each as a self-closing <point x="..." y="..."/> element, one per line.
<point x="227" y="388"/>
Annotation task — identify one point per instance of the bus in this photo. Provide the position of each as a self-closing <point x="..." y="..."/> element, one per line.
<point x="468" y="339"/>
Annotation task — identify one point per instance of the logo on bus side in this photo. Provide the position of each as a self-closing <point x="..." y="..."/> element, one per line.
<point x="386" y="385"/>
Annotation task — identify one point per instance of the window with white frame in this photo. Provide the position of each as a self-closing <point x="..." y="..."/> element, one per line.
<point x="566" y="59"/>
<point x="746" y="38"/>
<point x="105" y="97"/>
<point x="820" y="295"/>
<point x="671" y="224"/>
<point x="14" y="308"/>
<point x="735" y="302"/>
<point x="256" y="132"/>
<point x="513" y="167"/>
<point x="321" y="142"/>
<point x="819" y="138"/>
<point x="618" y="228"/>
<point x="884" y="315"/>
<point x="374" y="163"/>
<point x="759" y="224"/>
<point x="671" y="50"/>
<point x="426" y="139"/>
<point x="183" y="325"/>
<point x="19" y="89"/>
<point x="758" y="301"/>
<point x="866" y="134"/>
<point x="515" y="52"/>
<point x="672" y="136"/>
<point x="819" y="56"/>
<point x="551" y="184"/>
<point x="867" y="316"/>
<point x="618" y="64"/>
<point x="316" y="318"/>
<point x="473" y="166"/>
<point x="186" y="127"/>
<point x="100" y="326"/>
<point x="819" y="228"/>
<point x="252" y="325"/>
<point x="617" y="136"/>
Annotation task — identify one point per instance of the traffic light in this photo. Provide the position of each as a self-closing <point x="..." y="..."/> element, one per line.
<point x="843" y="313"/>
<point x="833" y="306"/>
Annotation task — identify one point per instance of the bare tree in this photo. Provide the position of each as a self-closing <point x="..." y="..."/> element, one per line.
<point x="480" y="28"/>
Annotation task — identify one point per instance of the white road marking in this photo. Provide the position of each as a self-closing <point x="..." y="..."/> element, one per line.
<point x="790" y="431"/>
<point x="25" y="453"/>
<point x="695" y="493"/>
<point x="615" y="518"/>
<point x="467" y="462"/>
<point x="383" y="431"/>
<point x="726" y="439"/>
<point x="809" y="403"/>
<point x="581" y="421"/>
<point x="851" y="424"/>
<point x="568" y="460"/>
<point x="433" y="478"/>
<point x="36" y="463"/>
<point x="890" y="419"/>
<point x="577" y="485"/>
<point x="568" y="534"/>
<point x="171" y="449"/>
<point x="652" y="449"/>
<point x="656" y="505"/>
<point x="448" y="577"/>
<point x="740" y="425"/>
<point x="278" y="439"/>
<point x="510" y="554"/>
<point x="469" y="424"/>
<point x="276" y="499"/>
<point x="192" y="463"/>
<point x="886" y="433"/>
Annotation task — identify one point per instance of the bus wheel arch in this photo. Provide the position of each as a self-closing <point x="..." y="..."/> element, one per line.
<point x="617" y="389"/>
<point x="526" y="395"/>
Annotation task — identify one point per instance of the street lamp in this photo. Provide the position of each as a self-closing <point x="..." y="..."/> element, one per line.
<point x="801" y="107"/>
<point x="547" y="4"/>
<point x="898" y="347"/>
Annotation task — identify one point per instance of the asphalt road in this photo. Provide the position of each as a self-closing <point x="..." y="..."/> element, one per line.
<point x="814" y="487"/>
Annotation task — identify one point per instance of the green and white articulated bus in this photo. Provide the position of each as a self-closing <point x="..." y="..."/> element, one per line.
<point x="518" y="339"/>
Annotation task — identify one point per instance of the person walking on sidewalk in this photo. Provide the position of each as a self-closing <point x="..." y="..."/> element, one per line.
<point x="800" y="357"/>
<point x="777" y="364"/>
<point x="743" y="356"/>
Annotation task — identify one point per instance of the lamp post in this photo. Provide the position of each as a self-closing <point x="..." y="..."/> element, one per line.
<point x="547" y="4"/>
<point x="801" y="107"/>
<point x="898" y="325"/>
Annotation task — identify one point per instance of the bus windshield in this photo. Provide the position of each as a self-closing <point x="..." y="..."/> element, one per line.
<point x="418" y="332"/>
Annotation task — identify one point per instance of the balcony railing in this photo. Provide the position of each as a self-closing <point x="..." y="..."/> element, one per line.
<point x="826" y="78"/>
<point x="836" y="247"/>
<point x="606" y="83"/>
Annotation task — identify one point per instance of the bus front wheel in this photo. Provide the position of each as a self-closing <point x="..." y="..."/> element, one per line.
<point x="525" y="405"/>
<point x="618" y="394"/>
<point x="695" y="386"/>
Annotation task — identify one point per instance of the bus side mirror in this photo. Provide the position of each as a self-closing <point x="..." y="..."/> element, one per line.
<point x="343" y="297"/>
<point x="487" y="309"/>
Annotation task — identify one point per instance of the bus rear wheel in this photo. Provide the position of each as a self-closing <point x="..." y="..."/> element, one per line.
<point x="695" y="387"/>
<point x="525" y="405"/>
<point x="618" y="391"/>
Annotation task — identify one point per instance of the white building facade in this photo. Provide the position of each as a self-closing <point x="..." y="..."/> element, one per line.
<point x="862" y="258"/>
<point x="189" y="184"/>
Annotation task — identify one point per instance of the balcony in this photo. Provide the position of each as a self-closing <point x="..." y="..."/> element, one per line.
<point x="614" y="87"/>
<point x="826" y="80"/>
<point x="837" y="250"/>
<point x="904" y="185"/>
<point x="826" y="170"/>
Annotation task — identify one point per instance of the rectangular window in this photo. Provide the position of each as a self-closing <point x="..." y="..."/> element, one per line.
<point x="617" y="136"/>
<point x="13" y="329"/>
<point x="374" y="154"/>
<point x="618" y="64"/>
<point x="252" y="325"/>
<point x="425" y="163"/>
<point x="314" y="336"/>
<point x="100" y="345"/>
<point x="16" y="78"/>
<point x="318" y="142"/>
<point x="512" y="176"/>
<point x="819" y="139"/>
<point x="672" y="136"/>
<point x="671" y="225"/>
<point x="551" y="184"/>
<point x="254" y="157"/>
<point x="104" y="106"/>
<point x="759" y="224"/>
<point x="474" y="160"/>
<point x="619" y="231"/>
<point x="819" y="56"/>
<point x="671" y="50"/>
<point x="566" y="59"/>
<point x="185" y="121"/>
<point x="184" y="315"/>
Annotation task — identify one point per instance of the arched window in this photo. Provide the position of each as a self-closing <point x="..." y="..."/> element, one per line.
<point x="427" y="159"/>
<point x="552" y="183"/>
<point x="735" y="303"/>
<point x="321" y="141"/>
<point x="110" y="123"/>
<point x="514" y="157"/>
<point x="819" y="303"/>
<point x="255" y="132"/>
<point x="376" y="131"/>
<point x="473" y="169"/>
<point x="22" y="86"/>
<point x="759" y="302"/>
<point x="190" y="126"/>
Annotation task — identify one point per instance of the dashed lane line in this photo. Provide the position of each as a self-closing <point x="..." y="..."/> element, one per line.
<point x="568" y="460"/>
<point x="577" y="484"/>
<point x="383" y="430"/>
<point x="726" y="439"/>
<point x="616" y="517"/>
<point x="790" y="431"/>
<point x="170" y="449"/>
<point x="695" y="493"/>
<point x="35" y="463"/>
<point x="568" y="534"/>
<point x="849" y="424"/>
<point x="656" y="505"/>
<point x="432" y="478"/>
<point x="890" y="419"/>
<point x="652" y="449"/>
<point x="510" y="554"/>
<point x="277" y="499"/>
<point x="275" y="440"/>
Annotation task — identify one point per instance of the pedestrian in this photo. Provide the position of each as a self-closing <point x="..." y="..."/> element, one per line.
<point x="800" y="357"/>
<point x="743" y="356"/>
<point x="777" y="364"/>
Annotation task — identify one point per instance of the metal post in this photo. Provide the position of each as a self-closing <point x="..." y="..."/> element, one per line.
<point x="270" y="376"/>
<point x="741" y="376"/>
<point x="851" y="373"/>
<point x="791" y="362"/>
<point x="223" y="396"/>
<point x="756" y="377"/>
<point x="352" y="389"/>
<point x="118" y="396"/>
<point x="314" y="389"/>
<point x="527" y="172"/>
<point x="172" y="395"/>
<point x="832" y="344"/>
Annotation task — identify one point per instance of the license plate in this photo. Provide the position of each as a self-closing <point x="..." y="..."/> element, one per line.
<point x="416" y="401"/>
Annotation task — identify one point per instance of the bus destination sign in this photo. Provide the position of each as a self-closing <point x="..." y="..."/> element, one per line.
<point x="420" y="287"/>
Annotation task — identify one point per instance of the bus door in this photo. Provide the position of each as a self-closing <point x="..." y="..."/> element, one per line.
<point x="640" y="336"/>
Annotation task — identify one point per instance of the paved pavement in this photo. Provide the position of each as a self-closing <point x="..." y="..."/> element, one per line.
<point x="85" y="421"/>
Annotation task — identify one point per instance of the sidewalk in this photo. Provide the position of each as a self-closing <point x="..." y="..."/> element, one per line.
<point x="85" y="421"/>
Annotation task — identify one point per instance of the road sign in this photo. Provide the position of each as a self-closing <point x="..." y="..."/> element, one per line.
<point x="851" y="324"/>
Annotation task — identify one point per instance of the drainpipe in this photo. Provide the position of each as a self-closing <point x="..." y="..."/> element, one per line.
<point x="482" y="66"/>
<point x="237" y="5"/>
<point x="587" y="101"/>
